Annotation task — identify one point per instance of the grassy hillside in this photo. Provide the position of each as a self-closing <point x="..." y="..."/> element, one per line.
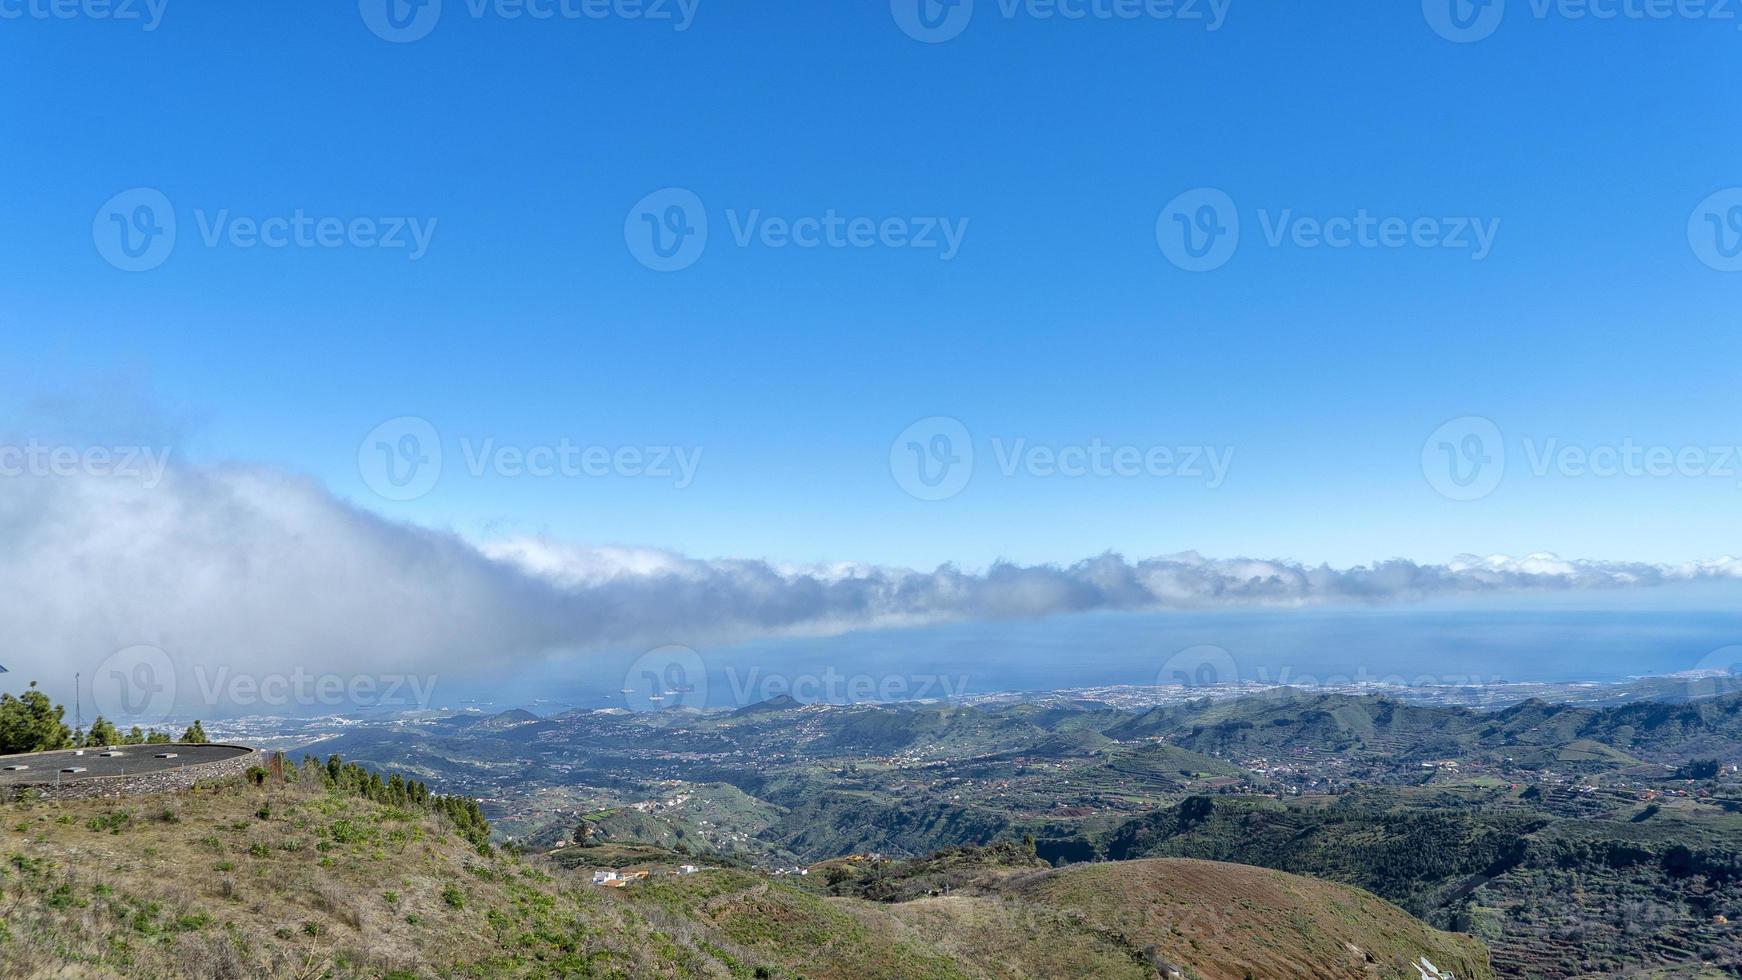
<point x="1206" y="919"/>
<point x="297" y="879"/>
<point x="1229" y="921"/>
<point x="242" y="881"/>
<point x="1616" y="884"/>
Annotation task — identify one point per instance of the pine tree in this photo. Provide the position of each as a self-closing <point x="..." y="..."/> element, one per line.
<point x="30" y="722"/>
<point x="195" y="735"/>
<point x="103" y="732"/>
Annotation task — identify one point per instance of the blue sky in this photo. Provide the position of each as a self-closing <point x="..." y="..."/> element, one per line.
<point x="1060" y="320"/>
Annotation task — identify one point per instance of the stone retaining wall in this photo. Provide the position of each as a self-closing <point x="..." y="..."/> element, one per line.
<point x="165" y="780"/>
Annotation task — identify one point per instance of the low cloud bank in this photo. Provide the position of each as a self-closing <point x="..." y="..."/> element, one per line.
<point x="250" y="569"/>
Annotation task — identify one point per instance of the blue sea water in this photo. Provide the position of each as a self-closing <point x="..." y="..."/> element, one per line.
<point x="1593" y="637"/>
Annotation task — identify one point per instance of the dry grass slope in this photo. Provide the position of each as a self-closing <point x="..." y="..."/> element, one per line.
<point x="1231" y="921"/>
<point x="283" y="881"/>
<point x="292" y="880"/>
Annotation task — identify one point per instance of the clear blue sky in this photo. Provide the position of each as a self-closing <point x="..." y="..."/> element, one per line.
<point x="1060" y="321"/>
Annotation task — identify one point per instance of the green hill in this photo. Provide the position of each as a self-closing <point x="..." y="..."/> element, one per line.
<point x="307" y="878"/>
<point x="1229" y="921"/>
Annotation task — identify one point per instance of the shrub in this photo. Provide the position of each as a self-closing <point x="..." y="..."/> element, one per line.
<point x="113" y="821"/>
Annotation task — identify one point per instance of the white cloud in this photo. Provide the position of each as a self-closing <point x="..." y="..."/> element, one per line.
<point x="255" y="570"/>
